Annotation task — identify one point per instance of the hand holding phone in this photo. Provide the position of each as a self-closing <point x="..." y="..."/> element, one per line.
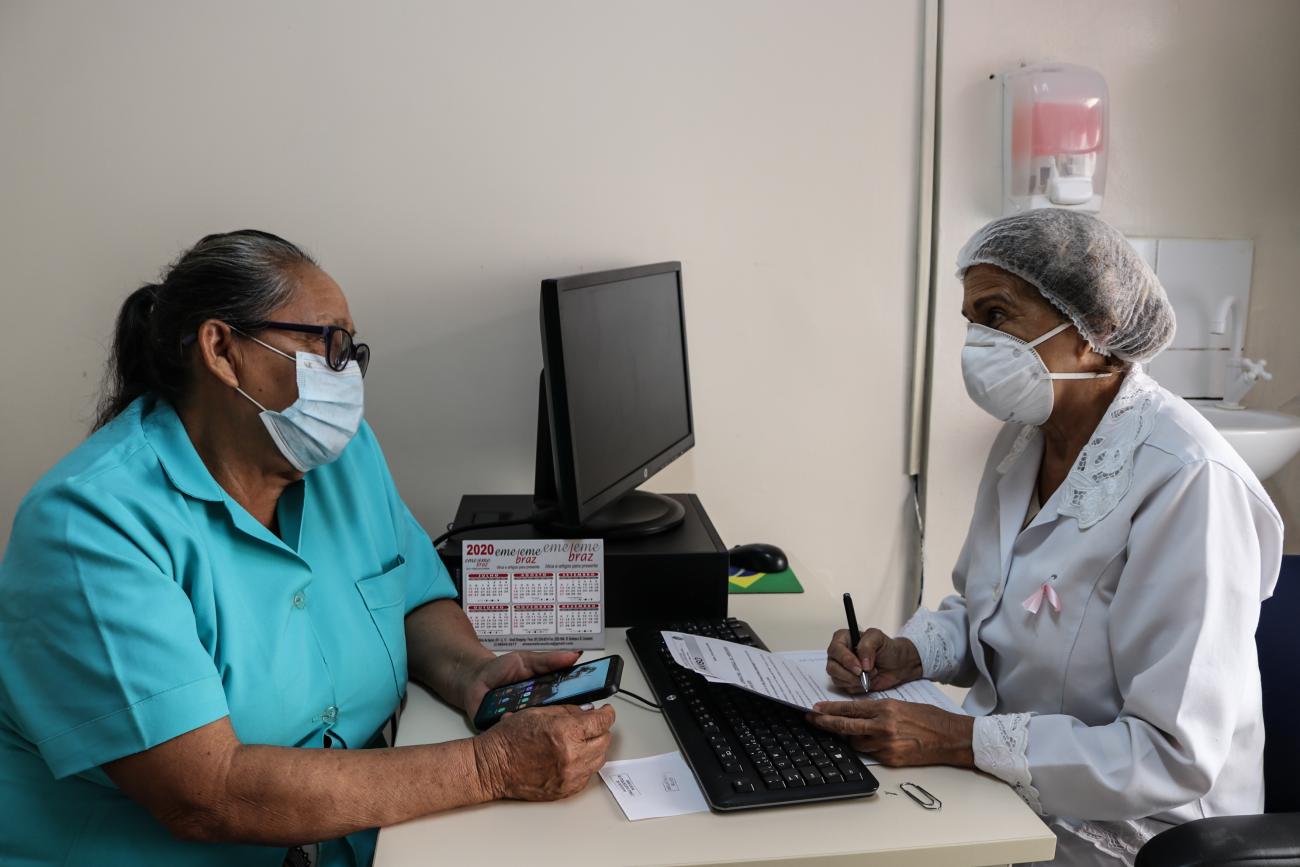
<point x="577" y="684"/>
<point x="548" y="753"/>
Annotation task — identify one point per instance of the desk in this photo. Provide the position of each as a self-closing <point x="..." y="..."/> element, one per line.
<point x="982" y="821"/>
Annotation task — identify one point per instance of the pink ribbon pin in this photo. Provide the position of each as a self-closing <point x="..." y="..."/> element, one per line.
<point x="1035" y="600"/>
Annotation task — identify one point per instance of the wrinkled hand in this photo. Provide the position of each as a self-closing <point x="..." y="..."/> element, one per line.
<point x="887" y="661"/>
<point x="543" y="753"/>
<point x="511" y="668"/>
<point x="900" y="732"/>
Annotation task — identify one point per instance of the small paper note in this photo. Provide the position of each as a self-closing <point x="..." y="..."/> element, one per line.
<point x="654" y="787"/>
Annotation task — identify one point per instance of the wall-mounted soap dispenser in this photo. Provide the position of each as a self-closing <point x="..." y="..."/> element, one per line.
<point x="1054" y="138"/>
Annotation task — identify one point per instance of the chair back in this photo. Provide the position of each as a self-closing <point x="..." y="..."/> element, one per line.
<point x="1278" y="642"/>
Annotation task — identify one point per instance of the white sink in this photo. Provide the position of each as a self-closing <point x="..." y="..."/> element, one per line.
<point x="1265" y="440"/>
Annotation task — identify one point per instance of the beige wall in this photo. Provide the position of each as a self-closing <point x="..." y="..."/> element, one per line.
<point x="1205" y="121"/>
<point x="442" y="158"/>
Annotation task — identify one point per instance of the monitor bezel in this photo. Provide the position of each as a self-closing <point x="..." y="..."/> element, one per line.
<point x="554" y="375"/>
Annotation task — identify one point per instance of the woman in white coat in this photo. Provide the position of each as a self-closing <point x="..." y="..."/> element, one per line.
<point x="1110" y="584"/>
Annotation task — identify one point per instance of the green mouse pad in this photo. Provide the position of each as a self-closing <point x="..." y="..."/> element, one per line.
<point x="744" y="581"/>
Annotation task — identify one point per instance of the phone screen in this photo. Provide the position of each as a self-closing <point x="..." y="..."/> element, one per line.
<point x="555" y="688"/>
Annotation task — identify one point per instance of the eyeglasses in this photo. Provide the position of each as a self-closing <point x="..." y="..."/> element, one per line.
<point x="339" y="345"/>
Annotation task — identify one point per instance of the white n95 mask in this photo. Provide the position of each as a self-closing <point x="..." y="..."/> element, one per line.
<point x="316" y="428"/>
<point x="1008" y="379"/>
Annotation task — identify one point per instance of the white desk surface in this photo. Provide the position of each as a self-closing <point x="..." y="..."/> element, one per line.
<point x="982" y="822"/>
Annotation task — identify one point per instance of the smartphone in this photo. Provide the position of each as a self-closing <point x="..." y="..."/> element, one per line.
<point x="578" y="684"/>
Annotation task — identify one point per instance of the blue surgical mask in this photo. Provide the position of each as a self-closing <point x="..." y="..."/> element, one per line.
<point x="316" y="428"/>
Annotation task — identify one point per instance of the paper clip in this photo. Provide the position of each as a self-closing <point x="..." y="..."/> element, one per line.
<point x="920" y="796"/>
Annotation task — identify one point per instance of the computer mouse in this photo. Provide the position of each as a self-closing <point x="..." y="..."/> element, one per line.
<point x="759" y="557"/>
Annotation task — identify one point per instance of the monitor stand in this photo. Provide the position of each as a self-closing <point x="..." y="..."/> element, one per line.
<point x="636" y="513"/>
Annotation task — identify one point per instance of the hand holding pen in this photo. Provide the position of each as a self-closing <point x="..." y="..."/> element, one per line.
<point x="872" y="660"/>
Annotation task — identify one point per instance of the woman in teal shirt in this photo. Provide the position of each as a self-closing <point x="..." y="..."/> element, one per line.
<point x="208" y="609"/>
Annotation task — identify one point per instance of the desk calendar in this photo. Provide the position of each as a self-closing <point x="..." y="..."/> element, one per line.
<point x="535" y="594"/>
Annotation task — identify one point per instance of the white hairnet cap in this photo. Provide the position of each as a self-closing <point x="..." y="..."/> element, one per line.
<point x="1088" y="271"/>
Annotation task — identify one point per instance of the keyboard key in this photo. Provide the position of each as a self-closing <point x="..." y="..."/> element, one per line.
<point x="742" y="785"/>
<point x="811" y="777"/>
<point x="833" y="776"/>
<point x="793" y="779"/>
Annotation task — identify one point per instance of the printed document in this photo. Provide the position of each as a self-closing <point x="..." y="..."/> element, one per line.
<point x="813" y="662"/>
<point x="796" y="678"/>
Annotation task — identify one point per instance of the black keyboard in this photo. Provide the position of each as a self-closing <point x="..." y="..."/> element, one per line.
<point x="746" y="750"/>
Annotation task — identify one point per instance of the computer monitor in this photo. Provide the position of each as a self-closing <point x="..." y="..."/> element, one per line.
<point x="614" y="404"/>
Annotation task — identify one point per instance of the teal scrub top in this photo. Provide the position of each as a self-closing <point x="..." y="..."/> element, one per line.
<point x="138" y="601"/>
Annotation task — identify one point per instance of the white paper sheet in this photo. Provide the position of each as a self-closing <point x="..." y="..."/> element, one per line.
<point x="797" y="678"/>
<point x="813" y="662"/>
<point x="749" y="668"/>
<point x="654" y="787"/>
<point x="920" y="691"/>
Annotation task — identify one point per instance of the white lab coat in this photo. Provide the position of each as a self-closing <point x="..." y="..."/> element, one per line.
<point x="1139" y="699"/>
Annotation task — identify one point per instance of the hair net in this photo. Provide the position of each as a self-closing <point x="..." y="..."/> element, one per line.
<point x="1087" y="270"/>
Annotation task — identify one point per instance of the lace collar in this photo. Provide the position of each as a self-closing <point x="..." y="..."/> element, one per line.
<point x="1103" y="472"/>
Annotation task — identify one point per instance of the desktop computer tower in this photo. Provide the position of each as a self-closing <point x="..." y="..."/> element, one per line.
<point x="679" y="574"/>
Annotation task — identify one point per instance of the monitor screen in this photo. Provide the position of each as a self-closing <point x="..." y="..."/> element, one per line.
<point x="626" y="376"/>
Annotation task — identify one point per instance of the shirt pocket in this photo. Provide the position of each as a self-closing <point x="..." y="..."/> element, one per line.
<point x="385" y="598"/>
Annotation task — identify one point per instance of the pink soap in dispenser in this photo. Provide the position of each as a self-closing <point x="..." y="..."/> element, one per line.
<point x="1054" y="138"/>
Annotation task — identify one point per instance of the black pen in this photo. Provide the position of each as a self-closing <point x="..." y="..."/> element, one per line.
<point x="855" y="635"/>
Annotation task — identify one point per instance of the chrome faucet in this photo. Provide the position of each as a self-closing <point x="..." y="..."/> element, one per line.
<point x="1242" y="373"/>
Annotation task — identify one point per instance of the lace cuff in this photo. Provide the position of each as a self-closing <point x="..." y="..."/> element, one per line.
<point x="938" y="657"/>
<point x="1000" y="744"/>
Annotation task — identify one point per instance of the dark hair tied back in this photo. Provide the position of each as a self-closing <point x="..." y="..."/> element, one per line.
<point x="236" y="277"/>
